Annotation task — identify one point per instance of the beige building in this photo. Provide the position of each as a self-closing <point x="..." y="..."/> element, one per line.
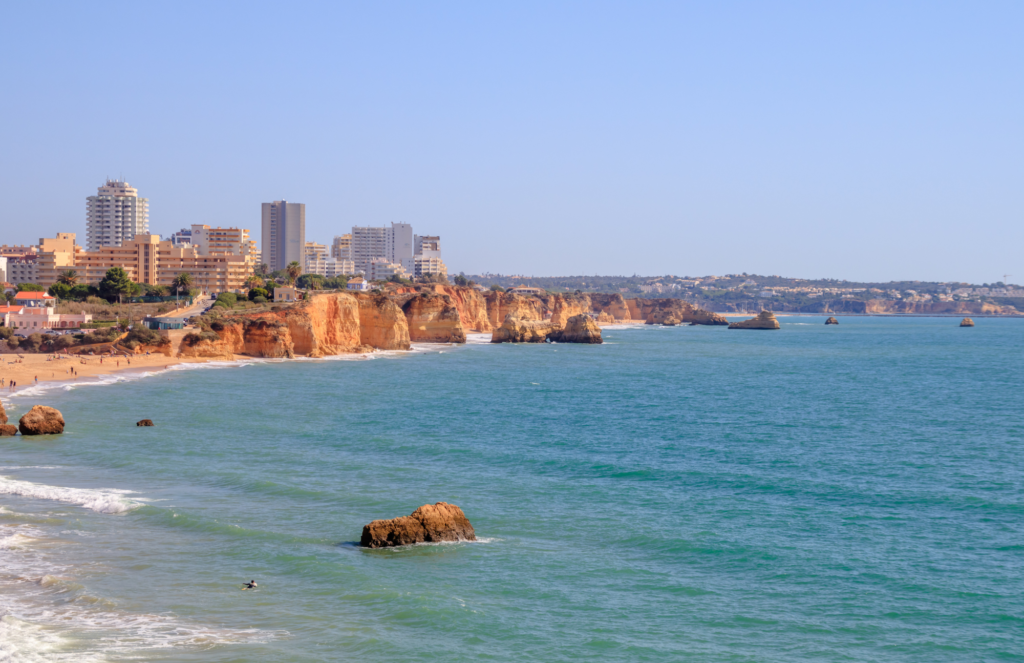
<point x="341" y="248"/>
<point x="207" y="240"/>
<point x="56" y="256"/>
<point x="428" y="265"/>
<point x="147" y="259"/>
<point x="380" y="269"/>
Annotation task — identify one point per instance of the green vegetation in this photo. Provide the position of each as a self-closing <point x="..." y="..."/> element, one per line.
<point x="256" y="293"/>
<point x="293" y="270"/>
<point x="6" y="333"/>
<point x="116" y="284"/>
<point x="310" y="282"/>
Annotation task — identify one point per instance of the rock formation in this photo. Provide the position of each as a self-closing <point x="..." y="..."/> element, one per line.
<point x="967" y="322"/>
<point x="3" y="414"/>
<point x="831" y="321"/>
<point x="382" y="323"/>
<point x="578" y="329"/>
<point x="614" y="305"/>
<point x="7" y="430"/>
<point x="433" y="318"/>
<point x="41" y="420"/>
<point x="428" y="524"/>
<point x="563" y="307"/>
<point x="516" y="330"/>
<point x="145" y="422"/>
<point x="673" y="311"/>
<point x="502" y="304"/>
<point x="764" y="320"/>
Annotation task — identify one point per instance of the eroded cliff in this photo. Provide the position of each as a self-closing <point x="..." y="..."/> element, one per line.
<point x="433" y="318"/>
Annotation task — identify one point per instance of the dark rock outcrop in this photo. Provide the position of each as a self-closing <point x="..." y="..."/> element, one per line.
<point x="41" y="420"/>
<point x="429" y="523"/>
<point x="831" y="321"/>
<point x="967" y="322"/>
<point x="7" y="430"/>
<point x="145" y="422"/>
<point x="764" y="320"/>
<point x="579" y="329"/>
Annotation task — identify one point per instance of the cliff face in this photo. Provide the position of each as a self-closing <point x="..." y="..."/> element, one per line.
<point x="433" y="318"/>
<point x="579" y="329"/>
<point x="516" y="330"/>
<point x="502" y="304"/>
<point x="382" y="324"/>
<point x="613" y="305"/>
<point x="471" y="305"/>
<point x="673" y="311"/>
<point x="563" y="307"/>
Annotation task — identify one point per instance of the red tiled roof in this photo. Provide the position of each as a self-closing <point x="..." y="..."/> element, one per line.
<point x="33" y="295"/>
<point x="10" y="309"/>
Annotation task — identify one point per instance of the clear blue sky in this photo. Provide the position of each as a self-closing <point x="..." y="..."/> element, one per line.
<point x="857" y="140"/>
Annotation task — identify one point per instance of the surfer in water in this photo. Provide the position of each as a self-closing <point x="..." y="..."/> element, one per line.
<point x="249" y="585"/>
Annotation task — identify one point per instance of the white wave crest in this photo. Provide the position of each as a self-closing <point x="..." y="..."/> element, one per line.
<point x="107" y="500"/>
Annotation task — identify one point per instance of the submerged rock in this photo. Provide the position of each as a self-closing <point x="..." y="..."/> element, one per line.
<point x="7" y="430"/>
<point x="967" y="322"/>
<point x="42" y="420"/>
<point x="831" y="321"/>
<point x="429" y="523"/>
<point x="145" y="422"/>
<point x="764" y="320"/>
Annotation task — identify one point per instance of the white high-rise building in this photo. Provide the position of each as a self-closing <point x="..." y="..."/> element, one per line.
<point x="368" y="243"/>
<point x="115" y="215"/>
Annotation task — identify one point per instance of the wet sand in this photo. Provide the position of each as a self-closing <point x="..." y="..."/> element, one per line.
<point x="25" y="369"/>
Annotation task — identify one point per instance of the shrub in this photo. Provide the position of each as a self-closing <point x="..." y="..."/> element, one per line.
<point x="260" y="299"/>
<point x="14" y="342"/>
<point x="92" y="299"/>
<point x="221" y="303"/>
<point x="258" y="292"/>
<point x="6" y="333"/>
<point x="228" y="298"/>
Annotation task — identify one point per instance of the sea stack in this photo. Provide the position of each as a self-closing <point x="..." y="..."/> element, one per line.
<point x="145" y="422"/>
<point x="764" y="320"/>
<point x="967" y="322"/>
<point x="41" y="420"/>
<point x="579" y="329"/>
<point x="831" y="321"/>
<point x="431" y="523"/>
<point x="7" y="430"/>
<point x="3" y="414"/>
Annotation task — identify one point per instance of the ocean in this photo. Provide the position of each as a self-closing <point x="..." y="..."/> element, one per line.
<point x="848" y="493"/>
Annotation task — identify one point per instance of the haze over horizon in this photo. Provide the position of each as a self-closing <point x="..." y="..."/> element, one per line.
<point x="875" y="142"/>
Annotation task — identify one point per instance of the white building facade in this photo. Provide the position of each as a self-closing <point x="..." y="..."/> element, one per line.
<point x="115" y="215"/>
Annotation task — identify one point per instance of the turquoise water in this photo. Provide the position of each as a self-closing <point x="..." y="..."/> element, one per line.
<point x="850" y="493"/>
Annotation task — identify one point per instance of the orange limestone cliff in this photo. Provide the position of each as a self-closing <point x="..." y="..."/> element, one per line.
<point x="433" y="318"/>
<point x="382" y="324"/>
<point x="325" y="324"/>
<point x="500" y="305"/>
<point x="613" y="306"/>
<point x="673" y="311"/>
<point x="563" y="307"/>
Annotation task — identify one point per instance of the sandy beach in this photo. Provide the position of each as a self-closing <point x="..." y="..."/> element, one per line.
<point x="25" y="370"/>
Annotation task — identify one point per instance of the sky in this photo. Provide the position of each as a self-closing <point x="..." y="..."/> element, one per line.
<point x="867" y="141"/>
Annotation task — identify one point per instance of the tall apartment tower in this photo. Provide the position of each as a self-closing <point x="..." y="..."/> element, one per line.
<point x="284" y="233"/>
<point x="367" y="243"/>
<point x="115" y="215"/>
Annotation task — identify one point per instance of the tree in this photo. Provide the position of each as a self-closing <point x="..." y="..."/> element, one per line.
<point x="258" y="292"/>
<point x="293" y="270"/>
<point x="310" y="282"/>
<point x="156" y="291"/>
<point x="60" y="291"/>
<point x="497" y="288"/>
<point x="461" y="280"/>
<point x="253" y="281"/>
<point x="336" y="283"/>
<point x="30" y="287"/>
<point x="182" y="282"/>
<point x="68" y="277"/>
<point x="116" y="283"/>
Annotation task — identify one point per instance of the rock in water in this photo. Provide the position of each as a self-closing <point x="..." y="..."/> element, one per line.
<point x="967" y="322"/>
<point x="7" y="430"/>
<point x="3" y="414"/>
<point x="764" y="320"/>
<point x="831" y="321"/>
<point x="579" y="329"/>
<point x="429" y="523"/>
<point x="41" y="420"/>
<point x="145" y="422"/>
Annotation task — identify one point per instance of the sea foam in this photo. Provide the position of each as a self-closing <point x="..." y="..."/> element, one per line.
<point x="106" y="500"/>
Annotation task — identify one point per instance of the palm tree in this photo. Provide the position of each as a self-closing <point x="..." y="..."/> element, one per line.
<point x="181" y="282"/>
<point x="253" y="281"/>
<point x="68" y="277"/>
<point x="293" y="269"/>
